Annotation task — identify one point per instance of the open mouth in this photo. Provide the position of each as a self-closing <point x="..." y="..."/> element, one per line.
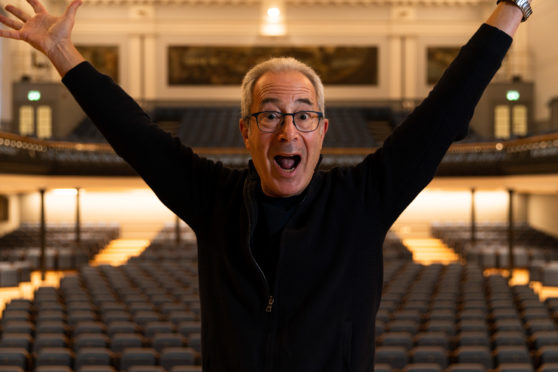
<point x="288" y="163"/>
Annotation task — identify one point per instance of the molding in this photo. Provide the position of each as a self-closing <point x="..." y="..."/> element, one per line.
<point x="293" y="2"/>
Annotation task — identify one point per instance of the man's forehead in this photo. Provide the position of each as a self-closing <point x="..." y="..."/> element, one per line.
<point x="272" y="87"/>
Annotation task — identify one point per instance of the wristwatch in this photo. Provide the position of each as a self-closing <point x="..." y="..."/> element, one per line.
<point x="521" y="4"/>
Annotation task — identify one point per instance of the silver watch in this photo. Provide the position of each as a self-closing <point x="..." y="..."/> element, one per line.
<point x="523" y="5"/>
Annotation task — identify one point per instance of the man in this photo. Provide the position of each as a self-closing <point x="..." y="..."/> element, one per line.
<point x="290" y="258"/>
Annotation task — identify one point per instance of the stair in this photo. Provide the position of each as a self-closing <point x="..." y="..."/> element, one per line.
<point x="429" y="250"/>
<point x="119" y="251"/>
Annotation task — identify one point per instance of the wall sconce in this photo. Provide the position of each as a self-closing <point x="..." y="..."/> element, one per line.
<point x="273" y="18"/>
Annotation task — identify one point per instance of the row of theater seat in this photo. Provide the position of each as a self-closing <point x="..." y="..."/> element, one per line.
<point x="20" y="253"/>
<point x="145" y="316"/>
<point x="435" y="317"/>
<point x="532" y="249"/>
<point x="140" y="316"/>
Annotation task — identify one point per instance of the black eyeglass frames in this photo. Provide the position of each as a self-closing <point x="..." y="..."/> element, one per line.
<point x="304" y="121"/>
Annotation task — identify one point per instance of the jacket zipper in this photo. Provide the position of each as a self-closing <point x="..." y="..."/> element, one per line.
<point x="269" y="306"/>
<point x="249" y="203"/>
<point x="268" y="359"/>
<point x="248" y="200"/>
<point x="268" y="364"/>
<point x="270" y="299"/>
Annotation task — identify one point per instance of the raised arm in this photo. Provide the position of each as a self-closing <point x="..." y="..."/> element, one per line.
<point x="410" y="156"/>
<point x="49" y="34"/>
<point x="182" y="180"/>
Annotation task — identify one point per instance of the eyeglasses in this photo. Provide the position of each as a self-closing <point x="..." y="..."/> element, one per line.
<point x="304" y="121"/>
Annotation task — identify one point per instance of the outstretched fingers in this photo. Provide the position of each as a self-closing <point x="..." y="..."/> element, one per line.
<point x="23" y="16"/>
<point x="11" y="34"/>
<point x="12" y="23"/>
<point x="37" y="6"/>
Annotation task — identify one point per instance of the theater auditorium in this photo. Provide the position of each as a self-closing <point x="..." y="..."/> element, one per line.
<point x="97" y="275"/>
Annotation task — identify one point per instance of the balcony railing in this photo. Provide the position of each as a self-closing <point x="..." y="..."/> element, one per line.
<point x="26" y="155"/>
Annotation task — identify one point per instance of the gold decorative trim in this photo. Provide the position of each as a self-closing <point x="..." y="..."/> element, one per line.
<point x="291" y="2"/>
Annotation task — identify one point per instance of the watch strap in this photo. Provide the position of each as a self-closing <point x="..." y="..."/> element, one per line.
<point x="521" y="4"/>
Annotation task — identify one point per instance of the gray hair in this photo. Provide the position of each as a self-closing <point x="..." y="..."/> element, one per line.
<point x="278" y="65"/>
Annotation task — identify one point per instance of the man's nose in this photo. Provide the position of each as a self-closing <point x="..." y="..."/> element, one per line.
<point x="288" y="131"/>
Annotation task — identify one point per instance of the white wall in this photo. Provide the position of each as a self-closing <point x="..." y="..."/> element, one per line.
<point x="5" y="85"/>
<point x="402" y="33"/>
<point x="543" y="49"/>
<point x="141" y="214"/>
<point x="543" y="213"/>
<point x="437" y="205"/>
<point x="143" y="33"/>
<point x="440" y="205"/>
<point x="138" y="211"/>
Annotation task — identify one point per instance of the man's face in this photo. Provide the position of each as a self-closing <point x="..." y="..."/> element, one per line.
<point x="285" y="160"/>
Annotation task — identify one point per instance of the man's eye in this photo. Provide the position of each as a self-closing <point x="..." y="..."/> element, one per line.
<point x="303" y="116"/>
<point x="272" y="116"/>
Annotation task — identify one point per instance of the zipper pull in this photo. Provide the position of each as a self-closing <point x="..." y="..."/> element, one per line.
<point x="270" y="301"/>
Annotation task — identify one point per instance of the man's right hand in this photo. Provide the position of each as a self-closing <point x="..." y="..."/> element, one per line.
<point x="47" y="33"/>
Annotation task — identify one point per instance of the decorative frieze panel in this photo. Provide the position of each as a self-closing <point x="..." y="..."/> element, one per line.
<point x="226" y="65"/>
<point x="293" y="2"/>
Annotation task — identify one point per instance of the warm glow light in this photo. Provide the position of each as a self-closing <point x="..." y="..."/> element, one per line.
<point x="428" y="251"/>
<point x="437" y="205"/>
<point x="273" y="18"/>
<point x="64" y="192"/>
<point x="273" y="30"/>
<point x="119" y="251"/>
<point x="274" y="12"/>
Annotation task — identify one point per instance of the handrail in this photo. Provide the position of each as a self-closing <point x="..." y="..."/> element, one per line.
<point x="23" y="142"/>
<point x="16" y="140"/>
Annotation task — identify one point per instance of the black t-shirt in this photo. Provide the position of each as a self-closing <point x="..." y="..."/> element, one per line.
<point x="273" y="216"/>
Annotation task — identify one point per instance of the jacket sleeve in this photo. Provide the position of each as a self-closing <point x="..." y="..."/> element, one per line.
<point x="183" y="181"/>
<point x="407" y="162"/>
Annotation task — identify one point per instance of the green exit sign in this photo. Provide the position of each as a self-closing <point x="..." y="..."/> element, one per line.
<point x="33" y="95"/>
<point x="512" y="95"/>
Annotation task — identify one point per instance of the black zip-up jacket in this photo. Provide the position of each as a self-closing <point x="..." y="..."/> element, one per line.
<point x="320" y="315"/>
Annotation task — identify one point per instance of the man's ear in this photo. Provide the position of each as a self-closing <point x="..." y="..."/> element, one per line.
<point x="325" y="127"/>
<point x="244" y="127"/>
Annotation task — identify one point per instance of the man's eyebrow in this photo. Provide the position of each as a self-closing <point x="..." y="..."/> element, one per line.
<point x="269" y="100"/>
<point x="305" y="100"/>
